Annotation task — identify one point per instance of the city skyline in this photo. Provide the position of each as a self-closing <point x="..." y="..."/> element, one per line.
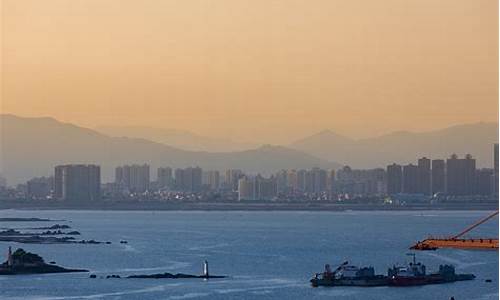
<point x="426" y="180"/>
<point x="271" y="71"/>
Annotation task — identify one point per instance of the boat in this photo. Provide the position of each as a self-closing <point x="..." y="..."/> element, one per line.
<point x="411" y="274"/>
<point x="348" y="275"/>
<point x="415" y="274"/>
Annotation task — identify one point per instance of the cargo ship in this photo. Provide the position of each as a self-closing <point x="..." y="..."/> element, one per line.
<point x="412" y="274"/>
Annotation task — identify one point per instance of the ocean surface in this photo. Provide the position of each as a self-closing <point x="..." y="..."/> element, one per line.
<point x="267" y="255"/>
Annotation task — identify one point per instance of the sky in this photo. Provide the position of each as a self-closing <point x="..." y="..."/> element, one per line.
<point x="252" y="70"/>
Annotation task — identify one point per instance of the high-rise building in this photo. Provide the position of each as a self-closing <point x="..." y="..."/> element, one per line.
<point x="211" y="180"/>
<point x="134" y="178"/>
<point x="438" y="176"/>
<point x="231" y="179"/>
<point x="165" y="177"/>
<point x="193" y="179"/>
<point x="320" y="180"/>
<point x="484" y="184"/>
<point x="188" y="179"/>
<point x="424" y="176"/>
<point x="410" y="179"/>
<point x="292" y="180"/>
<point x="460" y="175"/>
<point x="394" y="179"/>
<point x="179" y="179"/>
<point x="282" y="181"/>
<point x="361" y="182"/>
<point x="40" y="187"/>
<point x="301" y="180"/>
<point x="331" y="181"/>
<point x="246" y="189"/>
<point x="266" y="188"/>
<point x="495" y="168"/>
<point x="78" y="183"/>
<point x="257" y="188"/>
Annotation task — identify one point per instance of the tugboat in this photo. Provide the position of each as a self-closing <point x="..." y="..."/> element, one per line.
<point x="348" y="275"/>
<point x="415" y="274"/>
<point x="412" y="274"/>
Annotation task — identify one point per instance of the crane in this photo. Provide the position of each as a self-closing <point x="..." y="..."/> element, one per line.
<point x="460" y="243"/>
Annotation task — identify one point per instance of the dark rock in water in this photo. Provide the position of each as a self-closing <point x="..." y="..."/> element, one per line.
<point x="123" y="242"/>
<point x="24" y="220"/>
<point x="113" y="276"/>
<point x="73" y="233"/>
<point x="174" y="276"/>
<point x="93" y="276"/>
<point x="58" y="226"/>
<point x="22" y="262"/>
<point x="38" y="239"/>
<point x="488" y="280"/>
<point x="52" y="262"/>
<point x="55" y="226"/>
<point x="108" y="243"/>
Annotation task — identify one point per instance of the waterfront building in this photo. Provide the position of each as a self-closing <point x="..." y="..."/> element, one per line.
<point x="292" y="180"/>
<point x="78" y="183"/>
<point x="165" y="178"/>
<point x="484" y="184"/>
<point x="438" y="176"/>
<point x="394" y="179"/>
<point x="361" y="182"/>
<point x="133" y="178"/>
<point x="301" y="180"/>
<point x="188" y="179"/>
<point x="40" y="187"/>
<point x="424" y="176"/>
<point x="211" y="180"/>
<point x="231" y="178"/>
<point x="246" y="189"/>
<point x="282" y="181"/>
<point x="460" y="175"/>
<point x="495" y="167"/>
<point x="410" y="179"/>
<point x="257" y="188"/>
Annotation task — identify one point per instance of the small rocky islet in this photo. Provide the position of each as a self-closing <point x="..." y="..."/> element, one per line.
<point x="21" y="262"/>
<point x="167" y="275"/>
<point x="54" y="234"/>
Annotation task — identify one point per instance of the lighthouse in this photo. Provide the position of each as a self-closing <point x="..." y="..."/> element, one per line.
<point x="10" y="261"/>
<point x="205" y="269"/>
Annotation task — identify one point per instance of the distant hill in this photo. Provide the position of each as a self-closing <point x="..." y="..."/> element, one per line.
<point x="33" y="146"/>
<point x="404" y="147"/>
<point x="176" y="138"/>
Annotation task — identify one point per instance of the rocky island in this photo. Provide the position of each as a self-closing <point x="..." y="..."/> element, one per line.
<point x="22" y="262"/>
<point x="167" y="275"/>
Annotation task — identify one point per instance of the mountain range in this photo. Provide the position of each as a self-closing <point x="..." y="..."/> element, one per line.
<point x="177" y="138"/>
<point x="33" y="146"/>
<point x="403" y="146"/>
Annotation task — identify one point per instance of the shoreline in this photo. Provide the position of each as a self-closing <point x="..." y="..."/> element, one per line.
<point x="252" y="206"/>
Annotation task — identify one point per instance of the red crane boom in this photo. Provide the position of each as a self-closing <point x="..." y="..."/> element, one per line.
<point x="475" y="225"/>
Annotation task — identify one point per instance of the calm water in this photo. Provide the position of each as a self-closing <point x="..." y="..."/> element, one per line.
<point x="268" y="255"/>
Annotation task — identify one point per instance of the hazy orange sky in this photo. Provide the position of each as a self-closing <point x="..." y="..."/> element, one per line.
<point x="255" y="70"/>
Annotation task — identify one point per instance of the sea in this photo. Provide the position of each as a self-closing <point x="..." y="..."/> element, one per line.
<point x="265" y="254"/>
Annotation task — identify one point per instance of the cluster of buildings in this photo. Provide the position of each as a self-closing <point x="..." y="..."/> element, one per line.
<point x="453" y="177"/>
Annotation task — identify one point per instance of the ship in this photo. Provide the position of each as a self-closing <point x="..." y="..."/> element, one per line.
<point x="348" y="275"/>
<point x="411" y="274"/>
<point x="414" y="273"/>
